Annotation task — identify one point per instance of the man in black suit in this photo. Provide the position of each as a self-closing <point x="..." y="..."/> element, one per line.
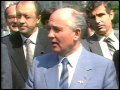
<point x="100" y="15"/>
<point x="116" y="62"/>
<point x="6" y="72"/>
<point x="28" y="16"/>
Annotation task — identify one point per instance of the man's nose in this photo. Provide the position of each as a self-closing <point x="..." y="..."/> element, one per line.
<point x="97" y="19"/>
<point x="21" y="19"/>
<point x="50" y="33"/>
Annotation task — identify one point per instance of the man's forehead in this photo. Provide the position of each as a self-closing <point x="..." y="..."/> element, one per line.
<point x="99" y="8"/>
<point x="11" y="7"/>
<point x="26" y="2"/>
<point x="60" y="14"/>
<point x="26" y="8"/>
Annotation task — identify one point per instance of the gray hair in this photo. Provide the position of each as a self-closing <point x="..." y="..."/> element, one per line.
<point x="11" y="4"/>
<point x="79" y="21"/>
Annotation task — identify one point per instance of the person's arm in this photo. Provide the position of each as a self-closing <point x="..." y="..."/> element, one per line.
<point x="116" y="62"/>
<point x="110" y="81"/>
<point x="6" y="72"/>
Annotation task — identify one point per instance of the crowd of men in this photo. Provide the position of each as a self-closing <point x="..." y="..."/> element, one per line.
<point x="55" y="55"/>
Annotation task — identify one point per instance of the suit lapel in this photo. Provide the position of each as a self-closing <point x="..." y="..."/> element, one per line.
<point x="18" y="55"/>
<point x="95" y="48"/>
<point x="117" y="35"/>
<point x="83" y="72"/>
<point x="20" y="62"/>
<point x="94" y="45"/>
<point x="51" y="74"/>
<point x="39" y="49"/>
<point x="41" y="43"/>
<point x="52" y="77"/>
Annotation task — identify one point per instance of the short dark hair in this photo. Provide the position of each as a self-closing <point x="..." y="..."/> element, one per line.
<point x="45" y="14"/>
<point x="38" y="8"/>
<point x="91" y="5"/>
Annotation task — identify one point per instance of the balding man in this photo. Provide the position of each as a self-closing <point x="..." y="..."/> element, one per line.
<point x="11" y="20"/>
<point x="70" y="66"/>
<point x="10" y="15"/>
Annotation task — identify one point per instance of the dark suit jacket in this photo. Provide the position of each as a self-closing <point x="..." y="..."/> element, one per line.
<point x="6" y="72"/>
<point x="94" y="46"/>
<point x="15" y="47"/>
<point x="116" y="62"/>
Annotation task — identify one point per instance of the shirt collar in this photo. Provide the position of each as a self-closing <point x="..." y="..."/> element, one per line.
<point x="73" y="58"/>
<point x="112" y="36"/>
<point x="33" y="37"/>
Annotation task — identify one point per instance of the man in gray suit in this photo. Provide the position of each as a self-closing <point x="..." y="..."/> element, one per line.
<point x="100" y="15"/>
<point x="83" y="69"/>
<point x="28" y="16"/>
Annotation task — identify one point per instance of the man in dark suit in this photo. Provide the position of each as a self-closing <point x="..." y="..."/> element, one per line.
<point x="116" y="62"/>
<point x="100" y="15"/>
<point x="70" y="66"/>
<point x="6" y="71"/>
<point x="28" y="16"/>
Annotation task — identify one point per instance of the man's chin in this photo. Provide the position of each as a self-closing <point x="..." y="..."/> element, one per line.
<point x="102" y="33"/>
<point x="24" y="32"/>
<point x="55" y="50"/>
<point x="15" y="30"/>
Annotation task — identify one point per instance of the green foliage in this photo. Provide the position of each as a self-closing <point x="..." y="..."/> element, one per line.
<point x="78" y="7"/>
<point x="115" y="6"/>
<point x="116" y="17"/>
<point x="39" y="25"/>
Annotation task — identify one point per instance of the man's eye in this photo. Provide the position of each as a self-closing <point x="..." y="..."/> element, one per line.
<point x="26" y="16"/>
<point x="100" y="15"/>
<point x="56" y="29"/>
<point x="11" y="17"/>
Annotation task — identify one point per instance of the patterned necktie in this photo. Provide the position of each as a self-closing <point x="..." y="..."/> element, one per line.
<point x="110" y="45"/>
<point x="28" y="53"/>
<point x="64" y="75"/>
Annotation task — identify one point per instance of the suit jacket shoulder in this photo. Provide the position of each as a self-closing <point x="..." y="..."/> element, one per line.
<point x="116" y="61"/>
<point x="43" y="44"/>
<point x="19" y="67"/>
<point x="13" y="40"/>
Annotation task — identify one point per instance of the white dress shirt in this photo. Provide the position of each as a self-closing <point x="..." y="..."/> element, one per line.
<point x="33" y="38"/>
<point x="73" y="59"/>
<point x="104" y="47"/>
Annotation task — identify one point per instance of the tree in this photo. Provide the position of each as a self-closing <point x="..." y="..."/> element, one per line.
<point x="115" y="5"/>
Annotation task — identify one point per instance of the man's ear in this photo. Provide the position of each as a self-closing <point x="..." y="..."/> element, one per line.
<point x="111" y="14"/>
<point x="77" y="33"/>
<point x="39" y="18"/>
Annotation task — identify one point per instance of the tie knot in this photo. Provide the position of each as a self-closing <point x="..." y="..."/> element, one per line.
<point x="27" y="41"/>
<point x="65" y="61"/>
